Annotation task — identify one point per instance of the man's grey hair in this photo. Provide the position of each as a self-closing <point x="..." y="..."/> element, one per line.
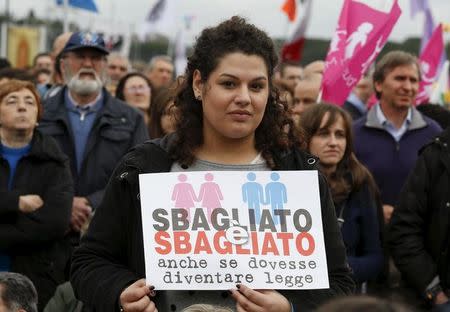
<point x="18" y="292"/>
<point x="117" y="55"/>
<point x="157" y="58"/>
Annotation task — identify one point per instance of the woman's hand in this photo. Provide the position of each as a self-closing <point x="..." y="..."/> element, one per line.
<point x="30" y="203"/>
<point x="267" y="300"/>
<point x="135" y="298"/>
<point x="388" y="210"/>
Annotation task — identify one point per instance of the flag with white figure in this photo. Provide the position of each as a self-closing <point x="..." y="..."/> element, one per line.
<point x="362" y="31"/>
<point x="430" y="60"/>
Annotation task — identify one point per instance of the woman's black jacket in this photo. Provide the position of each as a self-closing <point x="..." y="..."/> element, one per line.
<point x="35" y="241"/>
<point x="111" y="255"/>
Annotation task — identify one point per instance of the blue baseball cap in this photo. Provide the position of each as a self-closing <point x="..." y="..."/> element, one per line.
<point x="83" y="40"/>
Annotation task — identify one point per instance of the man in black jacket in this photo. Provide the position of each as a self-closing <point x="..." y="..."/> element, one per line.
<point x="94" y="129"/>
<point x="419" y="234"/>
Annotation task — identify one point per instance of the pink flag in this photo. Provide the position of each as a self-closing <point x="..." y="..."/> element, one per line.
<point x="430" y="60"/>
<point x="360" y="35"/>
<point x="293" y="47"/>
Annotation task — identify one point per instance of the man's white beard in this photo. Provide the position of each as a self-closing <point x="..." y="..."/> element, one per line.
<point x="84" y="87"/>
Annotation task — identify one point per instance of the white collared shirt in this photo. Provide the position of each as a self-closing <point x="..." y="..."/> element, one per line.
<point x="396" y="133"/>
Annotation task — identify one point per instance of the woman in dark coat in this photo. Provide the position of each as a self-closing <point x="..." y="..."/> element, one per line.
<point x="36" y="193"/>
<point x="328" y="131"/>
<point x="230" y="118"/>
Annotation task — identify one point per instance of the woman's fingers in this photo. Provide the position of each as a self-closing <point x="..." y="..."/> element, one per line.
<point x="244" y="298"/>
<point x="135" y="297"/>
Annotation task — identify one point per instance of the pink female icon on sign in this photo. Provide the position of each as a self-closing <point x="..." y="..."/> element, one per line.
<point x="210" y="195"/>
<point x="183" y="194"/>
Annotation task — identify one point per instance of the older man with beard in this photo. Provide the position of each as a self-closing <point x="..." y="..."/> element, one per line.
<point x="93" y="128"/>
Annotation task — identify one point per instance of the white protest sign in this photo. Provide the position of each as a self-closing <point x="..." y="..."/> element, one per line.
<point x="211" y="230"/>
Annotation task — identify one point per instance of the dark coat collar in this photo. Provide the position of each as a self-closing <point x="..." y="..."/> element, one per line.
<point x="141" y="159"/>
<point x="56" y="110"/>
<point x="44" y="147"/>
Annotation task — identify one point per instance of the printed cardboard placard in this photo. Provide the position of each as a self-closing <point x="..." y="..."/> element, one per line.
<point x="211" y="230"/>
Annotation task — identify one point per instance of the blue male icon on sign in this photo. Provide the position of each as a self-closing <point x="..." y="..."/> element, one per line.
<point x="253" y="195"/>
<point x="274" y="194"/>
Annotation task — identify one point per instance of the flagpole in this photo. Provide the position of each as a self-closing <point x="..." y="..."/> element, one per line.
<point x="170" y="48"/>
<point x="65" y="16"/>
<point x="7" y="10"/>
<point x="4" y="32"/>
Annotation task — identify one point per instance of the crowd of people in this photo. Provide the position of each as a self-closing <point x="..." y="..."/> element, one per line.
<point x="79" y="126"/>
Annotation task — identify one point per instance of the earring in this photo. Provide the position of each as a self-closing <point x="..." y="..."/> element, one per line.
<point x="199" y="97"/>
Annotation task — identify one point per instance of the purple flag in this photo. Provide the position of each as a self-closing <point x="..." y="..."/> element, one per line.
<point x="428" y="28"/>
<point x="419" y="6"/>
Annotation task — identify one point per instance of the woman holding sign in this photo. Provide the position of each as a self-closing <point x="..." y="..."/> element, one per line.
<point x="230" y="119"/>
<point x="328" y="131"/>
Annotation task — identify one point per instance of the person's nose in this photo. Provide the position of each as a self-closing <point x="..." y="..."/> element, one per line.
<point x="408" y="85"/>
<point x="332" y="141"/>
<point x="298" y="108"/>
<point x="139" y="90"/>
<point x="21" y="106"/>
<point x="87" y="62"/>
<point x="243" y="96"/>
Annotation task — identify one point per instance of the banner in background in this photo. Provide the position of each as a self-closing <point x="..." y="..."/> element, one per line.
<point x="23" y="45"/>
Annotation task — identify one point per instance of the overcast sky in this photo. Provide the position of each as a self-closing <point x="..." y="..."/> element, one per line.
<point x="117" y="15"/>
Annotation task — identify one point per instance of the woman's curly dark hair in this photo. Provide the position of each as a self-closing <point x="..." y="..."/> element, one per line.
<point x="275" y="133"/>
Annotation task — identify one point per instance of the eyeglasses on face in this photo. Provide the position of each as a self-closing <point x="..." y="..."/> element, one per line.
<point x="135" y="89"/>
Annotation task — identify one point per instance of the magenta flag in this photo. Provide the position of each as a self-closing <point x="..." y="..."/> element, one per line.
<point x="360" y="36"/>
<point x="430" y="60"/>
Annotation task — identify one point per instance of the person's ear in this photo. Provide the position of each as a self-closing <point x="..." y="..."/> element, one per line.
<point x="60" y="63"/>
<point x="197" y="84"/>
<point x="377" y="86"/>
